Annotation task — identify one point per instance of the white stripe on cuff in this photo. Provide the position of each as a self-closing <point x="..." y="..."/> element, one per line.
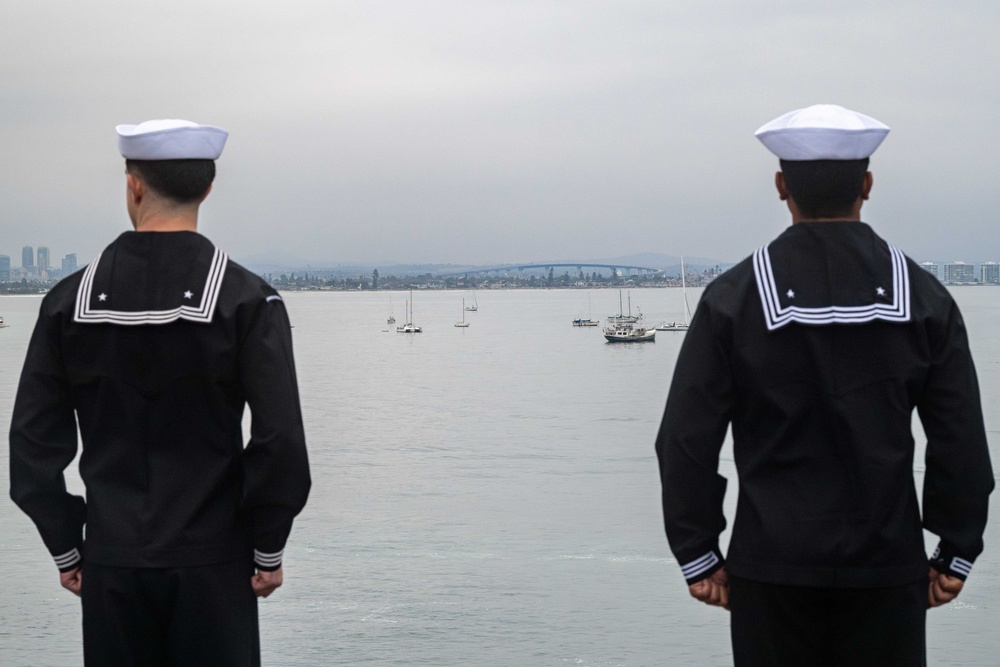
<point x="961" y="565"/>
<point x="67" y="559"/>
<point x="699" y="565"/>
<point x="268" y="560"/>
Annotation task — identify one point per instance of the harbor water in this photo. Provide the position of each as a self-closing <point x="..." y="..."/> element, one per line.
<point x="481" y="496"/>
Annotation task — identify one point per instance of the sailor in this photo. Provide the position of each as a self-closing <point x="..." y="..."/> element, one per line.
<point x="816" y="350"/>
<point x="154" y="350"/>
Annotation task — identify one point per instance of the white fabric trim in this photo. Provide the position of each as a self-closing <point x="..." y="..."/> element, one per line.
<point x="268" y="560"/>
<point x="273" y="297"/>
<point x="202" y="313"/>
<point x="961" y="565"/>
<point x="699" y="565"/>
<point x="67" y="559"/>
<point x="777" y="316"/>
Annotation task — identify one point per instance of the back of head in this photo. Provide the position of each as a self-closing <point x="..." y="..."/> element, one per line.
<point x="175" y="158"/>
<point x="824" y="151"/>
<point x="181" y="181"/>
<point x="824" y="188"/>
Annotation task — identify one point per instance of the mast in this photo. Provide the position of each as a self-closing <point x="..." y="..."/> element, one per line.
<point x="687" y="308"/>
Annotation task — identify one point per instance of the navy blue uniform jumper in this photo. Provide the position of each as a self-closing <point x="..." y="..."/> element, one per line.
<point x="816" y="350"/>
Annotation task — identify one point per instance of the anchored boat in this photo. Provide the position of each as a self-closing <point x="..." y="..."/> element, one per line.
<point x="629" y="328"/>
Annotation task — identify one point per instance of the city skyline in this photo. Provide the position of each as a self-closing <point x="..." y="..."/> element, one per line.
<point x="36" y="262"/>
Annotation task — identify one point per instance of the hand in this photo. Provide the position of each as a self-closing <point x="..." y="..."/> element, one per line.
<point x="714" y="590"/>
<point x="265" y="583"/>
<point x="72" y="580"/>
<point x="943" y="588"/>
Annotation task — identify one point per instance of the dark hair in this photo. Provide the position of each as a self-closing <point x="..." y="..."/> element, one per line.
<point x="824" y="188"/>
<point x="184" y="181"/>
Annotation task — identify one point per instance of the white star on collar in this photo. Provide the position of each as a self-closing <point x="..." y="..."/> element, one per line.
<point x="102" y="297"/>
<point x="880" y="291"/>
<point x="188" y="294"/>
<point x="790" y="294"/>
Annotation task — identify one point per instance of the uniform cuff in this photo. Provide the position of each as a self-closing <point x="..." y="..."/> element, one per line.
<point x="703" y="566"/>
<point x="68" y="561"/>
<point x="948" y="561"/>
<point x="267" y="562"/>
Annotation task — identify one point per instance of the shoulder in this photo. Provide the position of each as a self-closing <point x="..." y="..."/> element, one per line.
<point x="928" y="295"/>
<point x="247" y="283"/>
<point x="62" y="297"/>
<point x="730" y="287"/>
<point x="247" y="297"/>
<point x="923" y="280"/>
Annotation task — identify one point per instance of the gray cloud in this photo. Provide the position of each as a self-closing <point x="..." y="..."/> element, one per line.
<point x="495" y="131"/>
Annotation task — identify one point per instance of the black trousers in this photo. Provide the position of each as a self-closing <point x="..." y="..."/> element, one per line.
<point x="180" y="616"/>
<point x="827" y="627"/>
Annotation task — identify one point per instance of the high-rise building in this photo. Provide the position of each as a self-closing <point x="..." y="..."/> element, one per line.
<point x="43" y="258"/>
<point x="959" y="272"/>
<point x="69" y="264"/>
<point x="989" y="273"/>
<point x="931" y="268"/>
<point x="4" y="268"/>
<point x="27" y="257"/>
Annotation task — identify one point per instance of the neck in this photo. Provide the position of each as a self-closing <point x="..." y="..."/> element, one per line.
<point x="167" y="221"/>
<point x="797" y="219"/>
<point x="853" y="216"/>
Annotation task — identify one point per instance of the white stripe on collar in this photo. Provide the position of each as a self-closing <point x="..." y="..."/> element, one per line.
<point x="202" y="313"/>
<point x="777" y="316"/>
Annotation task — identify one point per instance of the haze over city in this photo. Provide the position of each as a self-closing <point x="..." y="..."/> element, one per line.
<point x="486" y="133"/>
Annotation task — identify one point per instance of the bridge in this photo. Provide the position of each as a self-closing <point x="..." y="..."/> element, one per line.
<point x="616" y="269"/>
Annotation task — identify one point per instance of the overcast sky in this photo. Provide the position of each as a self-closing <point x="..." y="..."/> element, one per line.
<point x="482" y="132"/>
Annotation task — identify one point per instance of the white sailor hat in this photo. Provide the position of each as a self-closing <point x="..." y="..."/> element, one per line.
<point x="822" y="132"/>
<point x="170" y="140"/>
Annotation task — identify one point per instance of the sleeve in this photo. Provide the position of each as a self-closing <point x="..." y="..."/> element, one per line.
<point x="699" y="407"/>
<point x="43" y="442"/>
<point x="959" y="476"/>
<point x="275" y="464"/>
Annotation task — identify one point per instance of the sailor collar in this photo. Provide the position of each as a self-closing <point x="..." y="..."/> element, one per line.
<point x="152" y="278"/>
<point x="825" y="273"/>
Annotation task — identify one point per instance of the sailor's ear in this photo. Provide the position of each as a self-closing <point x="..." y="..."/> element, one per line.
<point x="779" y="183"/>
<point x="866" y="186"/>
<point x="135" y="186"/>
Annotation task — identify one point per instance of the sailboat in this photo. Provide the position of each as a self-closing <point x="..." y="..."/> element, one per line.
<point x="475" y="305"/>
<point x="409" y="327"/>
<point x="463" y="323"/>
<point x="580" y="322"/>
<point x="629" y="328"/>
<point x="680" y="326"/>
<point x="391" y="320"/>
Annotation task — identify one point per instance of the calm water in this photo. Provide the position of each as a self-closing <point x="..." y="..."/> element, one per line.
<point x="482" y="496"/>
